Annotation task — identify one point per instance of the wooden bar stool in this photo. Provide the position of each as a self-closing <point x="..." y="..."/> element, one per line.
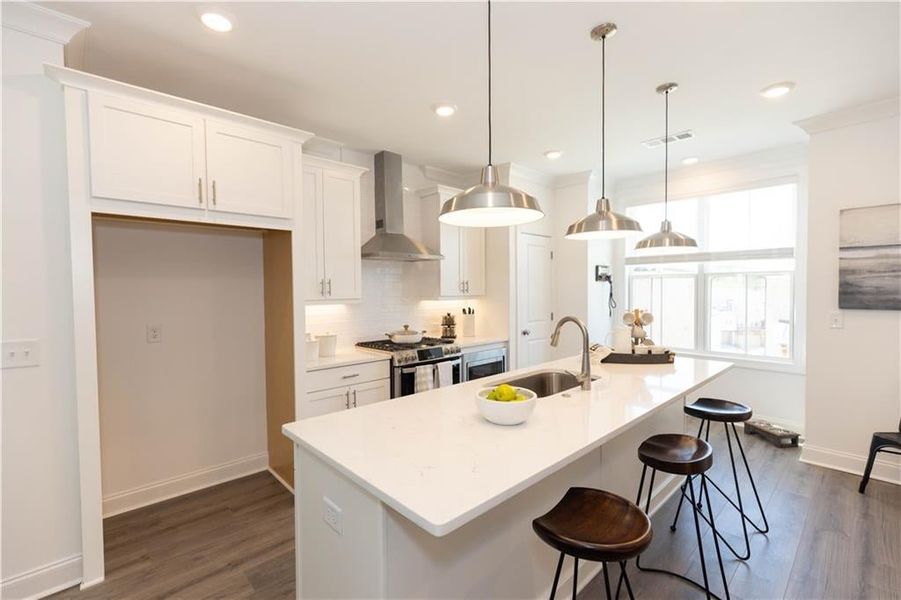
<point x="594" y="525"/>
<point x="682" y="455"/>
<point x="728" y="413"/>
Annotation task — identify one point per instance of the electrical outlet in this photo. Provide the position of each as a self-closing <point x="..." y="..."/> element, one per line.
<point x="836" y="320"/>
<point x="21" y="353"/>
<point x="331" y="514"/>
<point x="154" y="334"/>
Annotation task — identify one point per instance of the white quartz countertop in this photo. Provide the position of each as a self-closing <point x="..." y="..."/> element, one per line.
<point x="345" y="357"/>
<point x="434" y="459"/>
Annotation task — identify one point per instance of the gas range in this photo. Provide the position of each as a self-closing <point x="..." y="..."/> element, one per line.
<point x="427" y="349"/>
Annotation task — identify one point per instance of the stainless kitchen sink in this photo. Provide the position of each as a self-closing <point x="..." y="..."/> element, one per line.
<point x="547" y="383"/>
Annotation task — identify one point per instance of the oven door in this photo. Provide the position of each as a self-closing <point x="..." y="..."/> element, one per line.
<point x="484" y="364"/>
<point x="403" y="383"/>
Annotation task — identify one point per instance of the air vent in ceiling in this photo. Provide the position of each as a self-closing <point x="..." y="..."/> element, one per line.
<point x="681" y="136"/>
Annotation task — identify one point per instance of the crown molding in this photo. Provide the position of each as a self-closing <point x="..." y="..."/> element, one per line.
<point x="532" y="175"/>
<point x="854" y="115"/>
<point x="41" y="22"/>
<point x="323" y="147"/>
<point x="448" y="177"/>
<point x="442" y="191"/>
<point x="317" y="160"/>
<point x="569" y="179"/>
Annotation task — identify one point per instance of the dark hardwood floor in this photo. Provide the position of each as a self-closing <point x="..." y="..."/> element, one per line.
<point x="234" y="540"/>
<point x="825" y="539"/>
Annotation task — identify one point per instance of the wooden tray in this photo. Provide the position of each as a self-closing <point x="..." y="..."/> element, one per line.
<point x="640" y="359"/>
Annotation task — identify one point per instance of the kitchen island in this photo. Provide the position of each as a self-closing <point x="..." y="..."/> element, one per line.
<point x="421" y="497"/>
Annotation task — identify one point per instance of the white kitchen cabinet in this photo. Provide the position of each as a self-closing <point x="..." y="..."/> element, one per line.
<point x="249" y="171"/>
<point x="358" y="385"/>
<point x="145" y="152"/>
<point x="332" y="226"/>
<point x="462" y="271"/>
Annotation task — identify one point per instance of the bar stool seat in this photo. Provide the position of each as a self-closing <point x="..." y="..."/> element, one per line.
<point x="721" y="411"/>
<point x="595" y="525"/>
<point x="676" y="453"/>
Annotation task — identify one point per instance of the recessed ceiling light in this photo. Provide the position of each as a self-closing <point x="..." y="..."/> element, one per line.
<point x="444" y="110"/>
<point x="777" y="89"/>
<point x="216" y="21"/>
<point x="553" y="154"/>
<point x="691" y="160"/>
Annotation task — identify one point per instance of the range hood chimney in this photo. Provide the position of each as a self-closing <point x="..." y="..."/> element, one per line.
<point x="389" y="241"/>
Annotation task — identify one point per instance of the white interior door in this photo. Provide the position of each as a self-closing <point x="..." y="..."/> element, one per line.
<point x="368" y="393"/>
<point x="341" y="235"/>
<point x="534" y="306"/>
<point x="249" y="170"/>
<point x="314" y="277"/>
<point x="473" y="244"/>
<point x="144" y="152"/>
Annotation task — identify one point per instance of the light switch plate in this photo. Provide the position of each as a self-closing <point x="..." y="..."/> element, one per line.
<point x="21" y="353"/>
<point x="836" y="320"/>
<point x="331" y="514"/>
<point x="154" y="333"/>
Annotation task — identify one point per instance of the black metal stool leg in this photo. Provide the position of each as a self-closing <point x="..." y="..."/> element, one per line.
<point x="741" y="450"/>
<point x="682" y="495"/>
<point x="557" y="576"/>
<point x="625" y="577"/>
<point x="576" y="577"/>
<point x="741" y="507"/>
<point x="874" y="449"/>
<point x="606" y="582"/>
<point x="716" y="544"/>
<point x="691" y="491"/>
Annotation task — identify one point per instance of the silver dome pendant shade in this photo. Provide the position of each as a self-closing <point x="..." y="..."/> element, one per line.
<point x="490" y="204"/>
<point x="603" y="223"/>
<point x="666" y="240"/>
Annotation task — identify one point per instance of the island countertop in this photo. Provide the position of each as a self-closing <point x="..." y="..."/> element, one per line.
<point x="434" y="459"/>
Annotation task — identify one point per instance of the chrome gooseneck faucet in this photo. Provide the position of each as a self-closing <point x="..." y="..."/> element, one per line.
<point x="584" y="377"/>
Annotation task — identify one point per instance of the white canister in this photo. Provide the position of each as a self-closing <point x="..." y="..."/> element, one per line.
<point x="312" y="348"/>
<point x="621" y="340"/>
<point x="328" y="343"/>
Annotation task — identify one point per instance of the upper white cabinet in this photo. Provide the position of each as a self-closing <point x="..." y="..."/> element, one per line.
<point x="152" y="155"/>
<point x="249" y="171"/>
<point x="145" y="152"/>
<point x="331" y="223"/>
<point x="462" y="271"/>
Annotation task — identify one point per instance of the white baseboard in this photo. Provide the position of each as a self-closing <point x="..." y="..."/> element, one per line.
<point x="165" y="489"/>
<point x="883" y="470"/>
<point x="44" y="580"/>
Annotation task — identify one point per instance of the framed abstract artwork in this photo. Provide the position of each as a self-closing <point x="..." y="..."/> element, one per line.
<point x="869" y="258"/>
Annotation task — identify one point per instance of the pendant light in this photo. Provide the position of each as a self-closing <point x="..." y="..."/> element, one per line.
<point x="603" y="223"/>
<point x="666" y="240"/>
<point x="490" y="204"/>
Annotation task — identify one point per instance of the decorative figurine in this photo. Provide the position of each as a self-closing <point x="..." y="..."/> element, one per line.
<point x="638" y="320"/>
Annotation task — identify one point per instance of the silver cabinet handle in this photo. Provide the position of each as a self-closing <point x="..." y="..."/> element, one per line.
<point x="526" y="332"/>
<point x="467" y="286"/>
<point x="347" y="399"/>
<point x="460" y="286"/>
<point x="322" y="287"/>
<point x="355" y="398"/>
<point x="330" y="286"/>
<point x="351" y="376"/>
<point x="200" y="191"/>
<point x="214" y="192"/>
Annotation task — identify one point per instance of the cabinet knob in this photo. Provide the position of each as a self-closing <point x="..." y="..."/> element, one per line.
<point x="526" y="332"/>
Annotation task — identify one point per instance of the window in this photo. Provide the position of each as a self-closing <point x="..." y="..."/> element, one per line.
<point x="736" y="296"/>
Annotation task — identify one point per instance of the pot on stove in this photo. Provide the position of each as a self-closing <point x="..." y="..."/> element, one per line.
<point x="405" y="336"/>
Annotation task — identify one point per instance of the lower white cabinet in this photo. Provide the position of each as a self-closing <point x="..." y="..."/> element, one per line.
<point x="348" y="387"/>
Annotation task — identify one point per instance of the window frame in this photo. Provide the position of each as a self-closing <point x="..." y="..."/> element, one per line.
<point x="792" y="364"/>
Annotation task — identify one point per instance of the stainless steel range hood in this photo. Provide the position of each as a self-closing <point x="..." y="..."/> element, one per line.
<point x="389" y="241"/>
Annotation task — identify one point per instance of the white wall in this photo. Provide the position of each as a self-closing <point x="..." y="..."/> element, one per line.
<point x="852" y="390"/>
<point x="41" y="538"/>
<point x="775" y="394"/>
<point x="190" y="410"/>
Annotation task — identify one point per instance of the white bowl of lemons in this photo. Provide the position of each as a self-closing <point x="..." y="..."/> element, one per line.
<point x="505" y="404"/>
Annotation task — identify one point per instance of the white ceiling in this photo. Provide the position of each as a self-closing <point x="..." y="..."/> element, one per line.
<point x="368" y="73"/>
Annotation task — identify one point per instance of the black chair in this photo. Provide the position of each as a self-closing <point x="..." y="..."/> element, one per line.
<point x="597" y="526"/>
<point x="884" y="441"/>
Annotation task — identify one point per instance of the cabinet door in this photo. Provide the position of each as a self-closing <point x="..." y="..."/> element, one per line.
<point x="326" y="401"/>
<point x="369" y="393"/>
<point x="145" y="152"/>
<point x="249" y="170"/>
<point x="314" y="277"/>
<point x="341" y="234"/>
<point x="450" y="267"/>
<point x="472" y="244"/>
